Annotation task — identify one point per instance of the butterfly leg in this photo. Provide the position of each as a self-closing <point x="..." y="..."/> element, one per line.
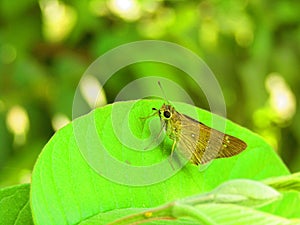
<point x="171" y="156"/>
<point x="173" y="148"/>
<point x="151" y="115"/>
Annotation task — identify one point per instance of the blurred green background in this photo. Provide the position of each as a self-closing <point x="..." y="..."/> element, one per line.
<point x="253" y="48"/>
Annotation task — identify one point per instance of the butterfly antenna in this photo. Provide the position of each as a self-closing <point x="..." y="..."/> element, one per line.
<point x="162" y="90"/>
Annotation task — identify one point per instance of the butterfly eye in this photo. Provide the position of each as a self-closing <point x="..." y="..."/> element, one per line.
<point x="167" y="114"/>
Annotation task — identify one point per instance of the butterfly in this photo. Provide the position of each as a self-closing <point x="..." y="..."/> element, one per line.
<point x="196" y="141"/>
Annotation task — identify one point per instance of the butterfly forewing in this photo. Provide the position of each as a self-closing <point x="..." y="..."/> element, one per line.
<point x="199" y="142"/>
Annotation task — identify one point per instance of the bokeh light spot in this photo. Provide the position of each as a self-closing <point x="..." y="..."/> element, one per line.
<point x="208" y="33"/>
<point x="58" y="20"/>
<point x="92" y="91"/>
<point x="59" y="120"/>
<point x="129" y="10"/>
<point x="282" y="100"/>
<point x="18" y="123"/>
<point x="244" y="37"/>
<point x="25" y="176"/>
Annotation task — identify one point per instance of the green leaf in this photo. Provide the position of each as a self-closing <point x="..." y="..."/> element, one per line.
<point x="288" y="206"/>
<point x="14" y="205"/>
<point x="232" y="214"/>
<point x="290" y="186"/>
<point x="240" y="191"/>
<point x="285" y="183"/>
<point x="67" y="190"/>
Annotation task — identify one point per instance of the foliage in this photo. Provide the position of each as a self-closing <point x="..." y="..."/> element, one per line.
<point x="14" y="205"/>
<point x="65" y="189"/>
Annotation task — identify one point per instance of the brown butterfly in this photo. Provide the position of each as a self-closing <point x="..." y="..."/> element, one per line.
<point x="195" y="140"/>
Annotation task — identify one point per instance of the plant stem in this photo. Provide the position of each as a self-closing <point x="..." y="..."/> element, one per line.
<point x="160" y="213"/>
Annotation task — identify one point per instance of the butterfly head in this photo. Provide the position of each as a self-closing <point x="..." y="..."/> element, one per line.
<point x="165" y="112"/>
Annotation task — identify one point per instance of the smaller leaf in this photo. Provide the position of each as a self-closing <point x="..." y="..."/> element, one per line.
<point x="226" y="214"/>
<point x="285" y="183"/>
<point x="240" y="191"/>
<point x="14" y="205"/>
<point x="245" y="192"/>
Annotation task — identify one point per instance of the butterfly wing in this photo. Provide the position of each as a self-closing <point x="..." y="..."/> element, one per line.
<point x="202" y="144"/>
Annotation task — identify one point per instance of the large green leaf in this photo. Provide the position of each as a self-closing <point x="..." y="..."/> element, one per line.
<point x="14" y="205"/>
<point x="67" y="190"/>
